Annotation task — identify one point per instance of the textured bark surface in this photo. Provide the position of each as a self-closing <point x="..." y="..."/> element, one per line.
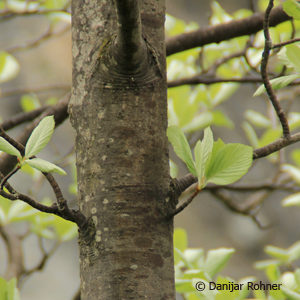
<point x="120" y="117"/>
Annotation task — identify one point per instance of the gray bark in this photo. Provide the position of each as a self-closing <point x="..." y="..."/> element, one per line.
<point x="119" y="112"/>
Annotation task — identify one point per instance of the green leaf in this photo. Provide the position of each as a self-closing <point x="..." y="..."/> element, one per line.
<point x="229" y="164"/>
<point x="40" y="136"/>
<point x="199" y="122"/>
<point x="293" y="54"/>
<point x="296" y="156"/>
<point x="292" y="8"/>
<point x="44" y="166"/>
<point x="292" y="200"/>
<point x="220" y="119"/>
<point x="217" y="259"/>
<point x="12" y="292"/>
<point x="277" y="83"/>
<point x="251" y="134"/>
<point x="65" y="230"/>
<point x="276" y="252"/>
<point x="198" y="163"/>
<point x="294" y="252"/>
<point x="294" y="172"/>
<point x="181" y="147"/>
<point x="6" y="147"/>
<point x="29" y="102"/>
<point x="61" y="16"/>
<point x="173" y="169"/>
<point x="202" y="153"/>
<point x="257" y="118"/>
<point x="9" y="67"/>
<point x="207" y="145"/>
<point x="180" y="239"/>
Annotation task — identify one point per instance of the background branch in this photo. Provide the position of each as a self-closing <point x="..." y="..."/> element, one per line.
<point x="60" y="113"/>
<point x="264" y="73"/>
<point x="223" y="32"/>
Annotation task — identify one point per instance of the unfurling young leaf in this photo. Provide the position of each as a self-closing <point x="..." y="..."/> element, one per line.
<point x="215" y="162"/>
<point x="292" y="8"/>
<point x="181" y="147"/>
<point x="277" y="83"/>
<point x="202" y="154"/>
<point x="6" y="147"/>
<point x="44" y="166"/>
<point x="229" y="163"/>
<point x="40" y="136"/>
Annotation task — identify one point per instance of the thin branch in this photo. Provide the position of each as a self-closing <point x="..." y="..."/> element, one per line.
<point x="279" y="45"/>
<point x="14" y="13"/>
<point x="77" y="296"/>
<point x="251" y="188"/>
<point x="183" y="183"/>
<point x="22" y="118"/>
<point x="275" y="146"/>
<point x="202" y="80"/>
<point x="35" y="90"/>
<point x="222" y="32"/>
<point x="10" y="174"/>
<point x="238" y="208"/>
<point x="63" y="208"/>
<point x="60" y="112"/>
<point x="36" y="42"/>
<point x="30" y="201"/>
<point x="130" y="45"/>
<point x="185" y="204"/>
<point x="264" y="73"/>
<point x="46" y="256"/>
<point x="15" y="266"/>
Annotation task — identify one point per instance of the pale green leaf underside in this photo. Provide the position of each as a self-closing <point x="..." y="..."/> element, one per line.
<point x="202" y="154"/>
<point x="277" y="83"/>
<point x="198" y="153"/>
<point x="44" y="166"/>
<point x="217" y="259"/>
<point x="207" y="145"/>
<point x="293" y="54"/>
<point x="6" y="147"/>
<point x="181" y="147"/>
<point x="292" y="200"/>
<point x="292" y="8"/>
<point x="229" y="164"/>
<point x="40" y="136"/>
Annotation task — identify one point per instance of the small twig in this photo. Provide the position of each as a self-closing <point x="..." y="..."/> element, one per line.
<point x="10" y="174"/>
<point x="188" y="180"/>
<point x="237" y="208"/>
<point x="264" y="74"/>
<point x="61" y="209"/>
<point x="60" y="113"/>
<point x="77" y="296"/>
<point x="251" y="188"/>
<point x="36" y="42"/>
<point x="13" y="142"/>
<point x="279" y="45"/>
<point x="22" y="118"/>
<point x="44" y="259"/>
<point x="13" y="13"/>
<point x="222" y="32"/>
<point x="15" y="266"/>
<point x="35" y="90"/>
<point x="275" y="146"/>
<point x="202" y="80"/>
<point x="185" y="204"/>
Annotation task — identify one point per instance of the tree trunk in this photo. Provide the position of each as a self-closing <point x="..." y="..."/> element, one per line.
<point x="119" y="112"/>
